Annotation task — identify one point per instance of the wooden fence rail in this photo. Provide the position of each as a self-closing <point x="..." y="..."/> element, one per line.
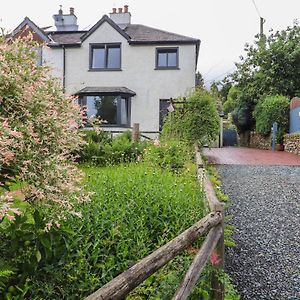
<point x="123" y="284"/>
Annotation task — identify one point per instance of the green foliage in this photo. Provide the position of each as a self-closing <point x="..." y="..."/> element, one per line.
<point x="38" y="132"/>
<point x="172" y="155"/>
<point x="215" y="179"/>
<point x="195" y="119"/>
<point x="199" y="80"/>
<point x="231" y="100"/>
<point x="135" y="209"/>
<point x="269" y="110"/>
<point x="267" y="69"/>
<point x="27" y="244"/>
<point x="101" y="150"/>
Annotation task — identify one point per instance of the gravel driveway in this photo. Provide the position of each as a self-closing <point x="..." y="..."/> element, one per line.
<point x="265" y="205"/>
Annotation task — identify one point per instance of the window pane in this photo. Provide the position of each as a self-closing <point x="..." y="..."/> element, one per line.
<point x="172" y="59"/>
<point x="107" y="109"/>
<point x="91" y="105"/>
<point x="114" y="110"/>
<point x="114" y="57"/>
<point x="162" y="59"/>
<point x="98" y="60"/>
<point x="124" y="111"/>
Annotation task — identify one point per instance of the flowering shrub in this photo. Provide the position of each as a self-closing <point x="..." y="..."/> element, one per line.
<point x="38" y="131"/>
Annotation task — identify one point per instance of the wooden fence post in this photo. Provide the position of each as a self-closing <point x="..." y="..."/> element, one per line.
<point x="217" y="281"/>
<point x="136" y="132"/>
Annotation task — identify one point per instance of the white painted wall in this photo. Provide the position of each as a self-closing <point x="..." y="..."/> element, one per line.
<point x="54" y="59"/>
<point x="138" y="74"/>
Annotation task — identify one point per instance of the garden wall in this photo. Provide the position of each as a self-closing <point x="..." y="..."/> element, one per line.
<point x="260" y="141"/>
<point x="292" y="143"/>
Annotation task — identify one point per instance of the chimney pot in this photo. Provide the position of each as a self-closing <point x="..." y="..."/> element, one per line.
<point x="71" y="10"/>
<point x="120" y="10"/>
<point x="114" y="10"/>
<point x="125" y="8"/>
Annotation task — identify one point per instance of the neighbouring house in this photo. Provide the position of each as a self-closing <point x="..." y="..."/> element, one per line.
<point x="124" y="73"/>
<point x="295" y="115"/>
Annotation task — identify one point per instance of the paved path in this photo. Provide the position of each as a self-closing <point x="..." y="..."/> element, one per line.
<point x="265" y="209"/>
<point x="249" y="156"/>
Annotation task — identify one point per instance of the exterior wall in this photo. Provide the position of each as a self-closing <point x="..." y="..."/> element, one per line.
<point x="138" y="74"/>
<point x="292" y="143"/>
<point x="54" y="58"/>
<point x="295" y="120"/>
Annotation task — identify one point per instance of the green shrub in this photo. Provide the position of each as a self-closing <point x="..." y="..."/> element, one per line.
<point x="269" y="110"/>
<point x="195" y="119"/>
<point x="169" y="154"/>
<point x="101" y="150"/>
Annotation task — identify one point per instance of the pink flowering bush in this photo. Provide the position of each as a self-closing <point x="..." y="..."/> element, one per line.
<point x="38" y="132"/>
<point x="39" y="181"/>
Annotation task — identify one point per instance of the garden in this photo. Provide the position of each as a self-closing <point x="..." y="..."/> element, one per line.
<point x="78" y="207"/>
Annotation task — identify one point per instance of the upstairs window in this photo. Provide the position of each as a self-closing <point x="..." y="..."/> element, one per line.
<point x="166" y="58"/>
<point x="105" y="57"/>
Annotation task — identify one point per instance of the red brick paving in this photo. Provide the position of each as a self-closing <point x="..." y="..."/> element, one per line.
<point x="250" y="156"/>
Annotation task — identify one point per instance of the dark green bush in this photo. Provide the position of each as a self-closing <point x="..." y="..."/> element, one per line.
<point x="28" y="244"/>
<point x="269" y="110"/>
<point x="101" y="150"/>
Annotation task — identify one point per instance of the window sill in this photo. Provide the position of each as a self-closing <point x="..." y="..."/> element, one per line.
<point x="104" y="70"/>
<point x="167" y="68"/>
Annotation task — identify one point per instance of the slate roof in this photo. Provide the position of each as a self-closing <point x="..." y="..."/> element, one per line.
<point x="145" y="34"/>
<point x="134" y="33"/>
<point x="66" y="38"/>
<point x="106" y="90"/>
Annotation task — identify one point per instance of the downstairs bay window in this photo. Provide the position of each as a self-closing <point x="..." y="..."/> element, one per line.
<point x="112" y="110"/>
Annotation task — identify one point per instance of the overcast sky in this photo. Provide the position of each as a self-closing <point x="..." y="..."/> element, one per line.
<point x="222" y="26"/>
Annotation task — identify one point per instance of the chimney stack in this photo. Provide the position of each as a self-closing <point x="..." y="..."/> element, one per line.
<point x="122" y="18"/>
<point x="65" y="22"/>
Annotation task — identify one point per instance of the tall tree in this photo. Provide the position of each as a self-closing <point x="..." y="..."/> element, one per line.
<point x="267" y="70"/>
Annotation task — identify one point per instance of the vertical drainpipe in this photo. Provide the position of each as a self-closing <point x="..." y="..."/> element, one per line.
<point x="64" y="68"/>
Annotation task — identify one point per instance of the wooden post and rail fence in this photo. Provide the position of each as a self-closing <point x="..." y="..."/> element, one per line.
<point x="213" y="223"/>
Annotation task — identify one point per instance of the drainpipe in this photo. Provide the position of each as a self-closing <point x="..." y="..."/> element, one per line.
<point x="64" y="68"/>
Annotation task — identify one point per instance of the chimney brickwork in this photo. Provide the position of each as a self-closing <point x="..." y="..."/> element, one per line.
<point x="122" y="18"/>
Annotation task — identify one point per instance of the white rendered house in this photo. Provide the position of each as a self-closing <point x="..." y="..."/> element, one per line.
<point x="124" y="73"/>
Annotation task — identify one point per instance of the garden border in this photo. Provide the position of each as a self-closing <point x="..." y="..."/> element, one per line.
<point x="123" y="284"/>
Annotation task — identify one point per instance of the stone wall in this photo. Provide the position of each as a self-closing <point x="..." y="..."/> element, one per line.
<point x="292" y="143"/>
<point x="259" y="141"/>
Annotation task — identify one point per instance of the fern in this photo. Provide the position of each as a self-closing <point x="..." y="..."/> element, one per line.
<point x="5" y="275"/>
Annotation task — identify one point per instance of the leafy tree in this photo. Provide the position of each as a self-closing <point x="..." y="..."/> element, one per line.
<point x="199" y="80"/>
<point x="225" y="86"/>
<point x="269" y="110"/>
<point x="231" y="99"/>
<point x="269" y="69"/>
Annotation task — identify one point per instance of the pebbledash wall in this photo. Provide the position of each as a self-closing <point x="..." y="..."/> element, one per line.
<point x="137" y="73"/>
